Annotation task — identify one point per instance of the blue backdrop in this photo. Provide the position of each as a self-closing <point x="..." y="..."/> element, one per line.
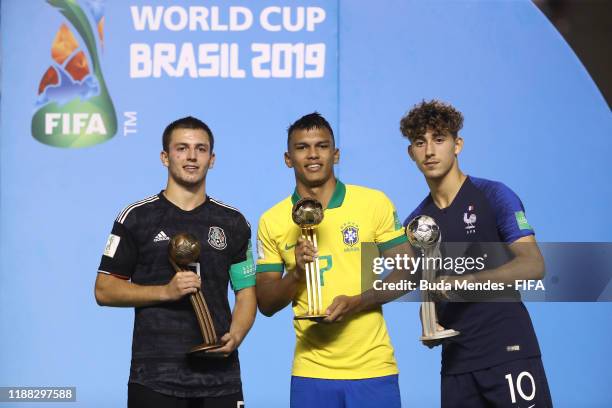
<point x="534" y="119"/>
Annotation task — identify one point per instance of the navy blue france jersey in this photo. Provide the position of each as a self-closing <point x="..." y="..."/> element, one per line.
<point x="492" y="333"/>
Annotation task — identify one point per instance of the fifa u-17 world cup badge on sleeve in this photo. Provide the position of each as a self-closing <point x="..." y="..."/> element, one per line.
<point x="521" y="220"/>
<point x="111" y="245"/>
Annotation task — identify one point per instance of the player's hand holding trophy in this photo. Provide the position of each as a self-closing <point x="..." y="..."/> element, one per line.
<point x="307" y="213"/>
<point x="183" y="251"/>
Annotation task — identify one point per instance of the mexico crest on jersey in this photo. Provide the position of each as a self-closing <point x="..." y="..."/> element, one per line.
<point x="216" y="238"/>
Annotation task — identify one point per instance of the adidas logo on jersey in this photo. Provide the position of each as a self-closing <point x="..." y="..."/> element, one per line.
<point x="161" y="236"/>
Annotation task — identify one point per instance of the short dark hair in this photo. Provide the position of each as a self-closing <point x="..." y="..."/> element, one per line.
<point x="313" y="120"/>
<point x="188" y="122"/>
<point x="434" y="115"/>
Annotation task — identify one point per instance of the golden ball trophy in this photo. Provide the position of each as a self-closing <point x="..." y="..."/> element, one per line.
<point x="307" y="213"/>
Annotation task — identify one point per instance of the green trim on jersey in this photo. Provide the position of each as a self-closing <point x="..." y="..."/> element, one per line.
<point x="276" y="267"/>
<point x="392" y="243"/>
<point x="336" y="200"/>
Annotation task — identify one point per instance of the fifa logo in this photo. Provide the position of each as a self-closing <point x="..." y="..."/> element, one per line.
<point x="73" y="107"/>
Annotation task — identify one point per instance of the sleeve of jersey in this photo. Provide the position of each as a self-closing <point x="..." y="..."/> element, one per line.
<point x="510" y="215"/>
<point x="242" y="270"/>
<point x="268" y="255"/>
<point x="120" y="253"/>
<point x="389" y="232"/>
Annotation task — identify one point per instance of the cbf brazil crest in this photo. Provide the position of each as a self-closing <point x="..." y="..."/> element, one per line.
<point x="216" y="238"/>
<point x="350" y="235"/>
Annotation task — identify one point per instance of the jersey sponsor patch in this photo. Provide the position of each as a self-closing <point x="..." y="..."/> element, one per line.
<point x="521" y="220"/>
<point x="216" y="238"/>
<point x="111" y="245"/>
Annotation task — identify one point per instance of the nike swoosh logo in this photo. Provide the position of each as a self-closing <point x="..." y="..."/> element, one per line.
<point x="288" y="247"/>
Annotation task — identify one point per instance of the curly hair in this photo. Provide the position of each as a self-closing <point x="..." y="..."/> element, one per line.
<point x="437" y="116"/>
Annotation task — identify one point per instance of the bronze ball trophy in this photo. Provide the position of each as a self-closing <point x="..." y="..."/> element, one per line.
<point x="183" y="250"/>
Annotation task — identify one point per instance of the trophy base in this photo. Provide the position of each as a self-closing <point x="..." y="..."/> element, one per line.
<point x="200" y="350"/>
<point x="312" y="317"/>
<point x="441" y="334"/>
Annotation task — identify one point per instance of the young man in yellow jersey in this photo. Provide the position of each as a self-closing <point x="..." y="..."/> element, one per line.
<point x="347" y="360"/>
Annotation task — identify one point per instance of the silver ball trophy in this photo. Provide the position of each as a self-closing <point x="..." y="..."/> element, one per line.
<point x="423" y="232"/>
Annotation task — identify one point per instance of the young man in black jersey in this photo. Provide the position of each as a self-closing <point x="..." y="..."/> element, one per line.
<point x="135" y="272"/>
<point x="495" y="360"/>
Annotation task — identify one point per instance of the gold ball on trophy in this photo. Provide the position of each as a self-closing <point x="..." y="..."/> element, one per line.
<point x="184" y="248"/>
<point x="307" y="212"/>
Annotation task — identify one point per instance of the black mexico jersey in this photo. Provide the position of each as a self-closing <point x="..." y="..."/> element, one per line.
<point x="483" y="212"/>
<point x="137" y="249"/>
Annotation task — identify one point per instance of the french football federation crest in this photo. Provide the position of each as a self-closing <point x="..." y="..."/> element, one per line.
<point x="469" y="218"/>
<point x="216" y="238"/>
<point x="350" y="235"/>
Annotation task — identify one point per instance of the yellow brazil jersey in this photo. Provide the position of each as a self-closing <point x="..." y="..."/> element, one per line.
<point x="358" y="347"/>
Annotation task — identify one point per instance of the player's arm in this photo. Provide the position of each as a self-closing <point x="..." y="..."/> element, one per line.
<point x="527" y="264"/>
<point x="391" y="241"/>
<point x="113" y="286"/>
<point x="371" y="299"/>
<point x="114" y="291"/>
<point x="242" y="278"/>
<point x="374" y="298"/>
<point x="275" y="292"/>
<point x="514" y="229"/>
<point x="243" y="316"/>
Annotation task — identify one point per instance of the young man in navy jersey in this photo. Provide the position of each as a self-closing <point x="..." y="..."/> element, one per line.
<point x="135" y="272"/>
<point x="495" y="360"/>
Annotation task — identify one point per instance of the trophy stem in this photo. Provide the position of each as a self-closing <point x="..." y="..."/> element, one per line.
<point x="308" y="285"/>
<point x="204" y="318"/>
<point x="318" y="277"/>
<point x="199" y="316"/>
<point x="431" y="329"/>
<point x="313" y="282"/>
<point x="429" y="319"/>
<point x="208" y="316"/>
<point x="428" y="310"/>
<point x="307" y="213"/>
